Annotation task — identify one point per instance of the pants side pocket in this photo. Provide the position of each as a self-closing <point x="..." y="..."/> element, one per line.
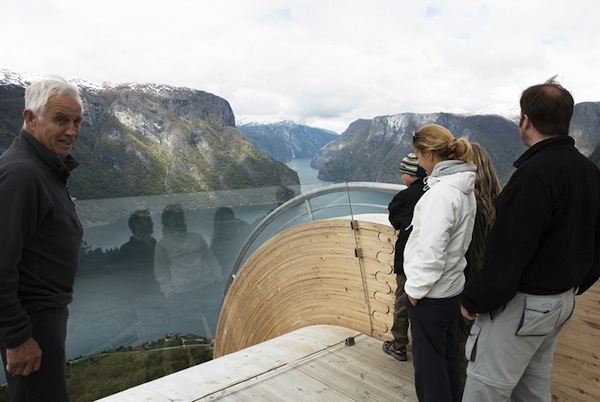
<point x="471" y="344"/>
<point x="540" y="316"/>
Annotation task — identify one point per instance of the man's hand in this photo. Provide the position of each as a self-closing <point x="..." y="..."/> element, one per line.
<point x="465" y="313"/>
<point x="412" y="300"/>
<point x="24" y="359"/>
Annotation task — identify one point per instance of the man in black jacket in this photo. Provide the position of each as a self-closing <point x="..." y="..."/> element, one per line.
<point x="544" y="249"/>
<point x="39" y="242"/>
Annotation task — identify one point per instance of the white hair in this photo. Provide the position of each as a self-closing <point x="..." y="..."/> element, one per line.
<point x="38" y="93"/>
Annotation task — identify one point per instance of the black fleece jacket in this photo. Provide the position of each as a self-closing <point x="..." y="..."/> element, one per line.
<point x="40" y="236"/>
<point x="546" y="238"/>
<point x="401" y="210"/>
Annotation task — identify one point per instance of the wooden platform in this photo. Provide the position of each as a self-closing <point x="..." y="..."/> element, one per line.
<point x="576" y="370"/>
<point x="316" y="363"/>
<point x="285" y="320"/>
<point x="310" y="275"/>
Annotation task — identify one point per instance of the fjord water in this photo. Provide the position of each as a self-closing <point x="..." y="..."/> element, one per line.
<point x="111" y="307"/>
<point x="116" y="306"/>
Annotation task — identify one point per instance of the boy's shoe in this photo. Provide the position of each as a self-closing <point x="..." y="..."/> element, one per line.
<point x="398" y="354"/>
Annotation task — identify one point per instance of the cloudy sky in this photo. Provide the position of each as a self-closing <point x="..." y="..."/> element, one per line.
<point x="324" y="63"/>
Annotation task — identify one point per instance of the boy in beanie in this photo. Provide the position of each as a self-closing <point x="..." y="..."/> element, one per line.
<point x="401" y="213"/>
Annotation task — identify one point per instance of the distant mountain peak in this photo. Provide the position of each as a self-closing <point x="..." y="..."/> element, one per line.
<point x="8" y="77"/>
<point x="149" y="139"/>
<point x="286" y="140"/>
<point x="282" y="123"/>
<point x="510" y="111"/>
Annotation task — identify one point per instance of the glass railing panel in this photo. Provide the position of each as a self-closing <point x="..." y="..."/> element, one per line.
<point x="325" y="202"/>
<point x="118" y="302"/>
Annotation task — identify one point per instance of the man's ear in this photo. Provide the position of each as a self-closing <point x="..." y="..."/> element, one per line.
<point x="28" y="117"/>
<point x="525" y="120"/>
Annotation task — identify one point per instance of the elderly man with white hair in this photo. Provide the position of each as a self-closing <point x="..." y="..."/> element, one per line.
<point x="39" y="242"/>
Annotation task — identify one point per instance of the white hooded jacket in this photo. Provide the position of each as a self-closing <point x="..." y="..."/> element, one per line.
<point x="442" y="227"/>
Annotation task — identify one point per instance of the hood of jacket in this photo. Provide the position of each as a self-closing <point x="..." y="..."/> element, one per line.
<point x="458" y="174"/>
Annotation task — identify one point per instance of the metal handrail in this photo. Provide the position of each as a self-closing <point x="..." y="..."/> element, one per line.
<point x="304" y="199"/>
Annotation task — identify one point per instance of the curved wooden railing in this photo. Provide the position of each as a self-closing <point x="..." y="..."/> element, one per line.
<point x="339" y="272"/>
<point x="334" y="271"/>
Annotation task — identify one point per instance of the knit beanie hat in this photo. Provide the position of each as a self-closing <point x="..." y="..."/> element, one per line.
<point x="410" y="165"/>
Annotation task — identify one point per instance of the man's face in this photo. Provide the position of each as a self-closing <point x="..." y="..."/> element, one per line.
<point x="59" y="126"/>
<point x="145" y="226"/>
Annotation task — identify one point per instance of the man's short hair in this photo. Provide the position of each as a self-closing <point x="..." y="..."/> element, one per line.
<point x="136" y="217"/>
<point x="549" y="107"/>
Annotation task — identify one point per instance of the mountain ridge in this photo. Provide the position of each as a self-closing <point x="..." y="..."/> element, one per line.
<point x="286" y="140"/>
<point x="153" y="139"/>
<point x="370" y="150"/>
<point x="146" y="139"/>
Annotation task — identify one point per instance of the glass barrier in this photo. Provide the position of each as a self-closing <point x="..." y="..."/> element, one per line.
<point x="152" y="266"/>
<point x="337" y="200"/>
<point x="139" y="279"/>
<point x="132" y="289"/>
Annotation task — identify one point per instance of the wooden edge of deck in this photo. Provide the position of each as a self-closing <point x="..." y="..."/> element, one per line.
<point x="312" y="363"/>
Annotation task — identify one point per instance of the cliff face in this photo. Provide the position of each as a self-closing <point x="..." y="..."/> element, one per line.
<point x="370" y="150"/>
<point x="154" y="139"/>
<point x="585" y="128"/>
<point x="286" y="140"/>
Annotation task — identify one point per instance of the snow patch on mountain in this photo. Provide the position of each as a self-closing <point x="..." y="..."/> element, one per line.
<point x="8" y="77"/>
<point x="510" y="111"/>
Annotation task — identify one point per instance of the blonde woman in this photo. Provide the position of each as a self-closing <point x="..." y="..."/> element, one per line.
<point x="434" y="260"/>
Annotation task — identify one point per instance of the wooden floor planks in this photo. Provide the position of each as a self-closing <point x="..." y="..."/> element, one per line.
<point x="285" y="319"/>
<point x="576" y="369"/>
<point x="309" y="364"/>
<point x="335" y="294"/>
